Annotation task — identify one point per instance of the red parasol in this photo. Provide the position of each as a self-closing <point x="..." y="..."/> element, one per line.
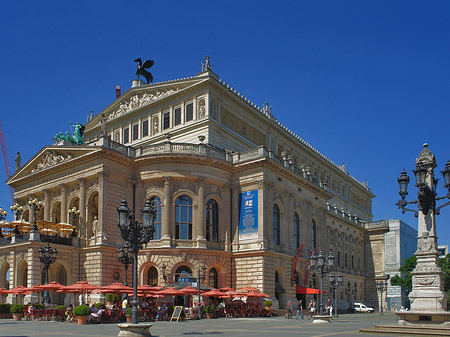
<point x="147" y="288"/>
<point x="190" y="290"/>
<point x="231" y="293"/>
<point x="19" y="290"/>
<point x="80" y="287"/>
<point x="213" y="293"/>
<point x="249" y="289"/>
<point x="52" y="286"/>
<point x="115" y="288"/>
<point x="255" y="294"/>
<point x="226" y="289"/>
<point x="171" y="291"/>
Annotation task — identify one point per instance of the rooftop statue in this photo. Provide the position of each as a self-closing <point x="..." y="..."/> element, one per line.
<point x="141" y="69"/>
<point x="76" y="138"/>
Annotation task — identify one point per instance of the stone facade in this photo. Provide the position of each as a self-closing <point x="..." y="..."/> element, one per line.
<point x="196" y="147"/>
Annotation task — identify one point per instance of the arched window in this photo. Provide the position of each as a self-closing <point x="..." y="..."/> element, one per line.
<point x="182" y="271"/>
<point x="156" y="204"/>
<point x="276" y="224"/>
<point x="152" y="277"/>
<point x="213" y="278"/>
<point x="296" y="230"/>
<point x="183" y="218"/>
<point x="212" y="221"/>
<point x="313" y="235"/>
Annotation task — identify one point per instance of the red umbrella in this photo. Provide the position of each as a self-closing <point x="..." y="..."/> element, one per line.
<point x="171" y="291"/>
<point x="226" y="289"/>
<point x="255" y="294"/>
<point x="17" y="290"/>
<point x="213" y="293"/>
<point x="52" y="286"/>
<point x="81" y="287"/>
<point x="115" y="288"/>
<point x="249" y="289"/>
<point x="190" y="290"/>
<point x="146" y="288"/>
<point x="231" y="294"/>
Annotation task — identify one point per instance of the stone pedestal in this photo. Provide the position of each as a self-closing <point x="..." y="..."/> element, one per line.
<point x="317" y="319"/>
<point x="134" y="330"/>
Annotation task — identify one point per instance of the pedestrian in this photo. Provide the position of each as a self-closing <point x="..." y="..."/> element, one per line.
<point x="329" y="307"/>
<point x="288" y="309"/>
<point x="312" y="307"/>
<point x="299" y="309"/>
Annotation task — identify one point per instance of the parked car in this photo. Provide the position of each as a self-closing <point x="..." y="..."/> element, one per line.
<point x="360" y="307"/>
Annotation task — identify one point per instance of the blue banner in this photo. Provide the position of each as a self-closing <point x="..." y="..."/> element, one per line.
<point x="248" y="215"/>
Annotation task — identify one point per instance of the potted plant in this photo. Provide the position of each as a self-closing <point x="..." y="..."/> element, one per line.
<point x="81" y="312"/>
<point x="267" y="305"/>
<point x="110" y="299"/>
<point x="128" y="314"/>
<point x="61" y="307"/>
<point x="5" y="310"/>
<point x="17" y="311"/>
<point x="209" y="310"/>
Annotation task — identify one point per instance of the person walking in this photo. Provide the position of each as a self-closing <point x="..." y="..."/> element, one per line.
<point x="288" y="309"/>
<point x="299" y="309"/>
<point x="329" y="307"/>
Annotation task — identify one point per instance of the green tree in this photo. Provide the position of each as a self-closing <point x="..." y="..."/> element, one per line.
<point x="409" y="266"/>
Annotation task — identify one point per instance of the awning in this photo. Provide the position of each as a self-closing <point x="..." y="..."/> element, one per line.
<point x="279" y="288"/>
<point x="303" y="290"/>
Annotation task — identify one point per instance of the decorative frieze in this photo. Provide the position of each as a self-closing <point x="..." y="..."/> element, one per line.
<point x="51" y="158"/>
<point x="140" y="100"/>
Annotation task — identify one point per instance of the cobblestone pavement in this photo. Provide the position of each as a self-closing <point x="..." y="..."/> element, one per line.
<point x="344" y="325"/>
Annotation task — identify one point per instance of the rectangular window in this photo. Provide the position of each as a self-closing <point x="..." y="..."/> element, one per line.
<point x="189" y="112"/>
<point x="126" y="135"/>
<point x="166" y="120"/>
<point x="339" y="259"/>
<point x="353" y="261"/>
<point x="345" y="260"/>
<point x="135" y="131"/>
<point x="145" y="128"/>
<point x="177" y="116"/>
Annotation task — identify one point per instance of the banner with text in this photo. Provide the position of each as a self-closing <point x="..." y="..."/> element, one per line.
<point x="248" y="215"/>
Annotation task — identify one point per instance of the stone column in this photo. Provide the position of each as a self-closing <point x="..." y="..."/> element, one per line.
<point x="46" y="205"/>
<point x="63" y="202"/>
<point x="234" y="235"/>
<point x="165" y="209"/>
<point x="428" y="293"/>
<point x="82" y="220"/>
<point x="199" y="230"/>
<point x="102" y="188"/>
<point x="224" y="219"/>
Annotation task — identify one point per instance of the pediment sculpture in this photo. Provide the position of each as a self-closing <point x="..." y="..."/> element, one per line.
<point x="51" y="158"/>
<point x="139" y="100"/>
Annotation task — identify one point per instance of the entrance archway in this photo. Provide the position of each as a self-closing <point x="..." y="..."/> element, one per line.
<point x="4" y="275"/>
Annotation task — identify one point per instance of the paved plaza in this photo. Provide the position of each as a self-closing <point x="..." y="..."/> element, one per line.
<point x="344" y="325"/>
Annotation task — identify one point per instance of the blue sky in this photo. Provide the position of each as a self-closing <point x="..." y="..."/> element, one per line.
<point x="365" y="82"/>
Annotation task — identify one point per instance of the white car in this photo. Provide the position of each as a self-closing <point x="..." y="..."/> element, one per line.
<point x="359" y="307"/>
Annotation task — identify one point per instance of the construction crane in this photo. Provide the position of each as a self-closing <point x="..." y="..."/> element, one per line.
<point x="6" y="160"/>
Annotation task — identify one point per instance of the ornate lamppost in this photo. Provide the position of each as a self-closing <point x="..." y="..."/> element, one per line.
<point x="381" y="287"/>
<point x="47" y="256"/>
<point x="201" y="276"/>
<point x="17" y="210"/>
<point x="35" y="206"/>
<point x="335" y="282"/>
<point x="74" y="212"/>
<point x="319" y="266"/>
<point x="135" y="234"/>
<point x="2" y="217"/>
<point x="124" y="257"/>
<point x="428" y="293"/>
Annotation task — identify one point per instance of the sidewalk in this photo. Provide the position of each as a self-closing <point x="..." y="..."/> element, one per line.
<point x="345" y="325"/>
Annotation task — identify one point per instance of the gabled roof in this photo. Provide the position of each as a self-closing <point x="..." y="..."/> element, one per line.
<point x="143" y="96"/>
<point x="51" y="157"/>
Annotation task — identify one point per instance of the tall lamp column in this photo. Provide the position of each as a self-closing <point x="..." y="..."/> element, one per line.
<point x="126" y="259"/>
<point x="35" y="206"/>
<point x="381" y="287"/>
<point x="319" y="266"/>
<point x="135" y="234"/>
<point x="47" y="256"/>
<point x="201" y="276"/>
<point x="335" y="282"/>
